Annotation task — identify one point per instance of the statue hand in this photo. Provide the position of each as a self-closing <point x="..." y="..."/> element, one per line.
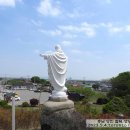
<point x="41" y="55"/>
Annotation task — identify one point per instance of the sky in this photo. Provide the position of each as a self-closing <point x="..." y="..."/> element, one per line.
<point x="94" y="34"/>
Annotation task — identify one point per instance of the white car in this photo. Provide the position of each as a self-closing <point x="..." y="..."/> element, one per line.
<point x="17" y="98"/>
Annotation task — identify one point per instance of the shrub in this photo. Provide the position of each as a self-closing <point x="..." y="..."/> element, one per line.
<point x="127" y="100"/>
<point x="101" y="101"/>
<point x="34" y="102"/>
<point x="116" y="105"/>
<point x="7" y="106"/>
<point x="87" y="92"/>
<point x="4" y="104"/>
<point x="25" y="104"/>
<point x="120" y="85"/>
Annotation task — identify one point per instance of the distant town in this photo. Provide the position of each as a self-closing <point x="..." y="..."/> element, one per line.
<point x="44" y="85"/>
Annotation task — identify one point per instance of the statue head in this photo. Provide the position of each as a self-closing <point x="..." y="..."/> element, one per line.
<point x="58" y="48"/>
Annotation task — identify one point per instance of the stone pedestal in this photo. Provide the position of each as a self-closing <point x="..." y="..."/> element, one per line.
<point x="59" y="95"/>
<point x="61" y="116"/>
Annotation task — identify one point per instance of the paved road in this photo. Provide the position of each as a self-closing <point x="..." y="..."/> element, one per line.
<point x="26" y="95"/>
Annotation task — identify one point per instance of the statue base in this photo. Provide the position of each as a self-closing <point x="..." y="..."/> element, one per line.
<point x="58" y="96"/>
<point x="61" y="116"/>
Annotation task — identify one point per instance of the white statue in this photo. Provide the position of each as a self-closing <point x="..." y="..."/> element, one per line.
<point x="57" y="67"/>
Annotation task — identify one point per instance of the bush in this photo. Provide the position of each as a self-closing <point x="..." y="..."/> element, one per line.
<point x="7" y="106"/>
<point x="4" y="104"/>
<point x="116" y="105"/>
<point x="25" y="104"/>
<point x="127" y="100"/>
<point x="34" y="102"/>
<point x="87" y="92"/>
<point x="120" y="85"/>
<point x="84" y="108"/>
<point x="101" y="101"/>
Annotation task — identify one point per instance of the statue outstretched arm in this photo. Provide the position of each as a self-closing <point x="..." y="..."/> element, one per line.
<point x="44" y="55"/>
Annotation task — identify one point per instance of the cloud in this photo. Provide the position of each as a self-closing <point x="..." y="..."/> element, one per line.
<point x="9" y="3"/>
<point x="82" y="53"/>
<point x="114" y="29"/>
<point x="102" y="2"/>
<point x="46" y="8"/>
<point x="108" y="1"/>
<point x="90" y="54"/>
<point x="55" y="32"/>
<point x="69" y="35"/>
<point x="127" y="28"/>
<point x="75" y="51"/>
<point x="74" y="14"/>
<point x="87" y="29"/>
<point x="127" y="46"/>
<point x="36" y="23"/>
<point x="66" y="43"/>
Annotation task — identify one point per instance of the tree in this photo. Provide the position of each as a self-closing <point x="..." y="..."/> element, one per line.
<point x="127" y="100"/>
<point x="101" y="101"/>
<point x="116" y="105"/>
<point x="95" y="86"/>
<point x="34" y="102"/>
<point x="16" y="82"/>
<point x="35" y="79"/>
<point x="120" y="85"/>
<point x="43" y="81"/>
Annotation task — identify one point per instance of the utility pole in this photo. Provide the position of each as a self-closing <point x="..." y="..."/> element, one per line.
<point x="13" y="112"/>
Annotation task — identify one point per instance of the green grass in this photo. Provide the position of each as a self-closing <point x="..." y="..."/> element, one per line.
<point x="86" y="106"/>
<point x="97" y="107"/>
<point x="97" y="95"/>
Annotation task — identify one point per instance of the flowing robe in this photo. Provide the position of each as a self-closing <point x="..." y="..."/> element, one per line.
<point x="57" y="67"/>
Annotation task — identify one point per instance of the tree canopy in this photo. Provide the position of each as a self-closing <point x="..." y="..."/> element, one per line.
<point x="120" y="85"/>
<point x="16" y="82"/>
<point x="116" y="105"/>
<point x="35" y="79"/>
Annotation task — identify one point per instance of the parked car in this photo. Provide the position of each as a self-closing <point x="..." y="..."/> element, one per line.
<point x="8" y="96"/>
<point x="17" y="98"/>
<point x="37" y="91"/>
<point x="75" y="96"/>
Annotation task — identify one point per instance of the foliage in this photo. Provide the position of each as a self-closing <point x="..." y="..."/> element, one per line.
<point x="4" y="104"/>
<point x="127" y="100"/>
<point x="95" y="86"/>
<point x="85" y="108"/>
<point x="16" y="82"/>
<point x="34" y="102"/>
<point x="87" y="92"/>
<point x="101" y="101"/>
<point x="25" y="104"/>
<point x="116" y="105"/>
<point x="35" y="79"/>
<point x="120" y="85"/>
